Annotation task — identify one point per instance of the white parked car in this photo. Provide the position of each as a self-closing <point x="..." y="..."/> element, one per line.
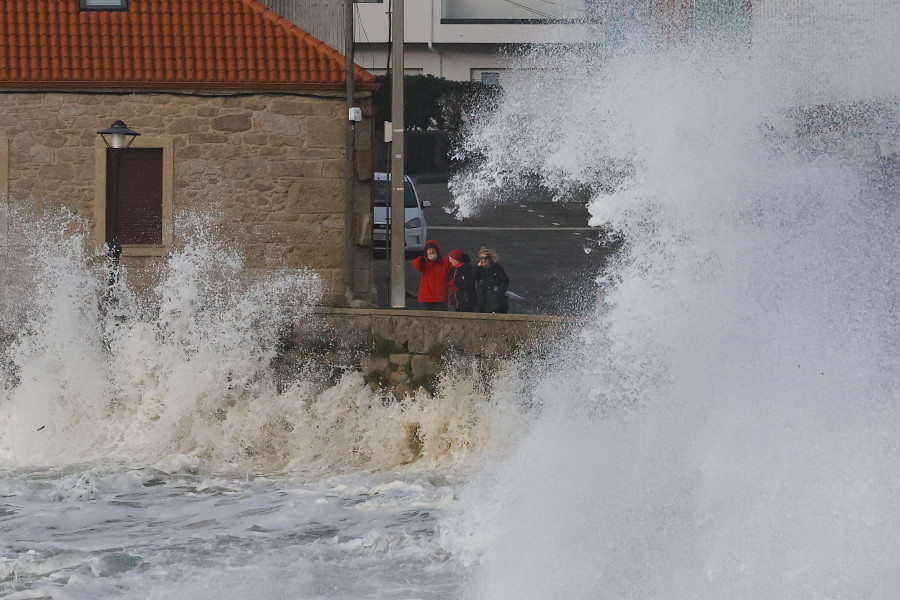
<point x="414" y="226"/>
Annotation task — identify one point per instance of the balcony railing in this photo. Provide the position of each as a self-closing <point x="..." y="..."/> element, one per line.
<point x="514" y="11"/>
<point x="697" y="15"/>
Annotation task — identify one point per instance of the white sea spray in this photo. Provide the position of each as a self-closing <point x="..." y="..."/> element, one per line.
<point x="100" y="372"/>
<point x="723" y="427"/>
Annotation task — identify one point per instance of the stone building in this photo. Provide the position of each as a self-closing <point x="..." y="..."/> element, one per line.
<point x="239" y="112"/>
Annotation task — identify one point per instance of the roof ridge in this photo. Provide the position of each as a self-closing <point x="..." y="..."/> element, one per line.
<point x="288" y="26"/>
<point x="277" y="18"/>
<point x="291" y="27"/>
<point x="206" y="44"/>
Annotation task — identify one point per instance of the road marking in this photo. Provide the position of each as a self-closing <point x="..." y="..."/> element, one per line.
<point x="465" y="228"/>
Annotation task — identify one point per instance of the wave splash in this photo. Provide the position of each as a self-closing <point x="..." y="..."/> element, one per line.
<point x="95" y="371"/>
<point x="725" y="426"/>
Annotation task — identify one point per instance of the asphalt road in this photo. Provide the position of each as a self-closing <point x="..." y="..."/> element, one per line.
<point x="551" y="255"/>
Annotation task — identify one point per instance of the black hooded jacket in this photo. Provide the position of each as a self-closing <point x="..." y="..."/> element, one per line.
<point x="461" y="282"/>
<point x="492" y="284"/>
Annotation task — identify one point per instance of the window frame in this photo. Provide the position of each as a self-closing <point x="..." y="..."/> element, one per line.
<point x="121" y="6"/>
<point x="478" y="73"/>
<point x="100" y="185"/>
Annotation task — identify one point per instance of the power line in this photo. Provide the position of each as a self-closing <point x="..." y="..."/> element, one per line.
<point x="564" y="6"/>
<point x="389" y="37"/>
<point x="529" y="9"/>
<point x="365" y="35"/>
<point x="543" y="14"/>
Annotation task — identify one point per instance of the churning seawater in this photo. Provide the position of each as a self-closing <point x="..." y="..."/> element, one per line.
<point x="147" y="448"/>
<point x="725" y="426"/>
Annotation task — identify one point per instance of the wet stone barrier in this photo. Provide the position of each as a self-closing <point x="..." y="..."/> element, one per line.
<point x="405" y="351"/>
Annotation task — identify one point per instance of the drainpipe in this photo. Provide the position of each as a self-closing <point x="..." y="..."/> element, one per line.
<point x="350" y="170"/>
<point x="431" y="40"/>
<point x="431" y="24"/>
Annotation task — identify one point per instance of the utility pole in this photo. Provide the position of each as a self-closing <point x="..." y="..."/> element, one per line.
<point x="398" y="176"/>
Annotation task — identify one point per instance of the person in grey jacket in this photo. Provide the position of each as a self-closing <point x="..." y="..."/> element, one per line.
<point x="491" y="283"/>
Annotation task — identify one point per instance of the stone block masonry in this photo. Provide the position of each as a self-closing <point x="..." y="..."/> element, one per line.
<point x="401" y="351"/>
<point x="270" y="166"/>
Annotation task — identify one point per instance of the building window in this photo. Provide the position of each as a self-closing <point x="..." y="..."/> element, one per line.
<point x="104" y="4"/>
<point x="134" y="203"/>
<point x="488" y="76"/>
<point x="134" y="198"/>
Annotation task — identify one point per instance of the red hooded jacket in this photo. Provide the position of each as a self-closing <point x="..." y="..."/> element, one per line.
<point x="433" y="285"/>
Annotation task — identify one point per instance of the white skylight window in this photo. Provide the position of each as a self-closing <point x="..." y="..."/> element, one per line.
<point x="104" y="4"/>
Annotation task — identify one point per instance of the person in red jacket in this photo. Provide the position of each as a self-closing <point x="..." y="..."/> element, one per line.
<point x="434" y="269"/>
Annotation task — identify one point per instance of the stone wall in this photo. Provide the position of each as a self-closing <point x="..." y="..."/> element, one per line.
<point x="270" y="166"/>
<point x="402" y="350"/>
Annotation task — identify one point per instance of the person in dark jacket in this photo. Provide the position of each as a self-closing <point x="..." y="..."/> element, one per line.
<point x="461" y="282"/>
<point x="433" y="284"/>
<point x="491" y="282"/>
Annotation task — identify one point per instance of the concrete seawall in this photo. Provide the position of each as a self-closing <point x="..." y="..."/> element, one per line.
<point x="403" y="350"/>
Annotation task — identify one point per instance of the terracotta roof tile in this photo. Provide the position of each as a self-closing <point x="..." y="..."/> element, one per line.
<point x="162" y="44"/>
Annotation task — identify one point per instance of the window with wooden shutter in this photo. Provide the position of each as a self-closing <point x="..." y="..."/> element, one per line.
<point x="134" y="196"/>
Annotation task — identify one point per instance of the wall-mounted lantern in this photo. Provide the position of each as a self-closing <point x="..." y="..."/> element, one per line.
<point x="117" y="137"/>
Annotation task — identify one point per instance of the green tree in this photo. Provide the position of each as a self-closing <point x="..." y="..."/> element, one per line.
<point x="432" y="103"/>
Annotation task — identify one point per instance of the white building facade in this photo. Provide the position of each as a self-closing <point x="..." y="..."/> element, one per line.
<point x="469" y="40"/>
<point x="465" y="40"/>
<point x="472" y="39"/>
